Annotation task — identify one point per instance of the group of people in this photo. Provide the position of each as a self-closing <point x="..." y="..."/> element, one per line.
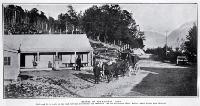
<point x="100" y="70"/>
<point x="109" y="70"/>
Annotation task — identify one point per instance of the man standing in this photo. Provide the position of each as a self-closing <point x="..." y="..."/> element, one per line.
<point x="34" y="64"/>
<point x="49" y="64"/>
<point x="107" y="71"/>
<point x="96" y="71"/>
<point x="78" y="62"/>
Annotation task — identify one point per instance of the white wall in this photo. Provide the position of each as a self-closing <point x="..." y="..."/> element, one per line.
<point x="29" y="61"/>
<point x="66" y="58"/>
<point x="90" y="58"/>
<point x="44" y="60"/>
<point x="71" y="58"/>
<point x="11" y="71"/>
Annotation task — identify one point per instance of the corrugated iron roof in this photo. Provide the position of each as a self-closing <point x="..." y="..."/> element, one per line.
<point x="48" y="43"/>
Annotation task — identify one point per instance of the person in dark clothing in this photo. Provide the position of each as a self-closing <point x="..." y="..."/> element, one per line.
<point x="123" y="67"/>
<point x="107" y="71"/>
<point x="78" y="63"/>
<point x="34" y="64"/>
<point x="49" y="64"/>
<point x="116" y="70"/>
<point x="96" y="71"/>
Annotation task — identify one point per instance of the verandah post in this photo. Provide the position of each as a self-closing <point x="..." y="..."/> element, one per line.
<point x="92" y="58"/>
<point x="75" y="60"/>
<point x="37" y="58"/>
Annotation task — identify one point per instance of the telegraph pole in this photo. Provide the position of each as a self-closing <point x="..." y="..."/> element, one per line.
<point x="166" y="44"/>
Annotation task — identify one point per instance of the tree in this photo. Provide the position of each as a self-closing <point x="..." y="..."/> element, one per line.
<point x="33" y="14"/>
<point x="69" y="21"/>
<point x="109" y="23"/>
<point x="106" y="23"/>
<point x="92" y="22"/>
<point x="72" y="17"/>
<point x="191" y="44"/>
<point x="62" y="18"/>
<point x="18" y="21"/>
<point x="13" y="19"/>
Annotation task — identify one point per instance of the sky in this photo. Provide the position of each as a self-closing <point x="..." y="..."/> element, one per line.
<point x="150" y="17"/>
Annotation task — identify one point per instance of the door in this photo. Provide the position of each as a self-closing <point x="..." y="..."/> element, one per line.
<point x="22" y="60"/>
<point x="29" y="61"/>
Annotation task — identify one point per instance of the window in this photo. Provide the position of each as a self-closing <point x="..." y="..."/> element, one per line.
<point x="6" y="60"/>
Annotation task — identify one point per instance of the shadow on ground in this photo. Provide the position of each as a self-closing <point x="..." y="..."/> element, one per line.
<point x="25" y="77"/>
<point x="169" y="82"/>
<point x="86" y="77"/>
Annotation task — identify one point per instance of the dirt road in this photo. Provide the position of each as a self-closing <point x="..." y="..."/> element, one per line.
<point x="170" y="80"/>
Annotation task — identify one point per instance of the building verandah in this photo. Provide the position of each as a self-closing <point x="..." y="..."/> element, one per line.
<point x="57" y="60"/>
<point x="61" y="51"/>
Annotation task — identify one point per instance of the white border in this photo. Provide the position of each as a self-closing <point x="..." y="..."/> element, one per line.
<point x="186" y="101"/>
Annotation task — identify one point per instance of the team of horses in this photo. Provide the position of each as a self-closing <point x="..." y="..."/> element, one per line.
<point x="114" y="69"/>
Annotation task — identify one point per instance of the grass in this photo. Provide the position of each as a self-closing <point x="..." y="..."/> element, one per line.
<point x="37" y="84"/>
<point x="169" y="82"/>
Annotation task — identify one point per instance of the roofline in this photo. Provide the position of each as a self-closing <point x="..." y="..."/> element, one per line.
<point x="41" y="35"/>
<point x="28" y="50"/>
<point x="52" y="51"/>
<point x="13" y="51"/>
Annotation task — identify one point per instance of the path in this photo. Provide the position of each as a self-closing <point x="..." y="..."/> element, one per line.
<point x="115" y="88"/>
<point x="171" y="80"/>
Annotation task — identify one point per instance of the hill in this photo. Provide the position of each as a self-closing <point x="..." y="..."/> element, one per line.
<point x="178" y="36"/>
<point x="154" y="39"/>
<point x="174" y="39"/>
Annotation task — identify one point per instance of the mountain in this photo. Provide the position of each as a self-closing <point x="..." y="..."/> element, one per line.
<point x="154" y="39"/>
<point x="174" y="39"/>
<point x="178" y="36"/>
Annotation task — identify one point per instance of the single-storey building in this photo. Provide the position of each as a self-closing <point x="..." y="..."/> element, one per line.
<point x="34" y="52"/>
